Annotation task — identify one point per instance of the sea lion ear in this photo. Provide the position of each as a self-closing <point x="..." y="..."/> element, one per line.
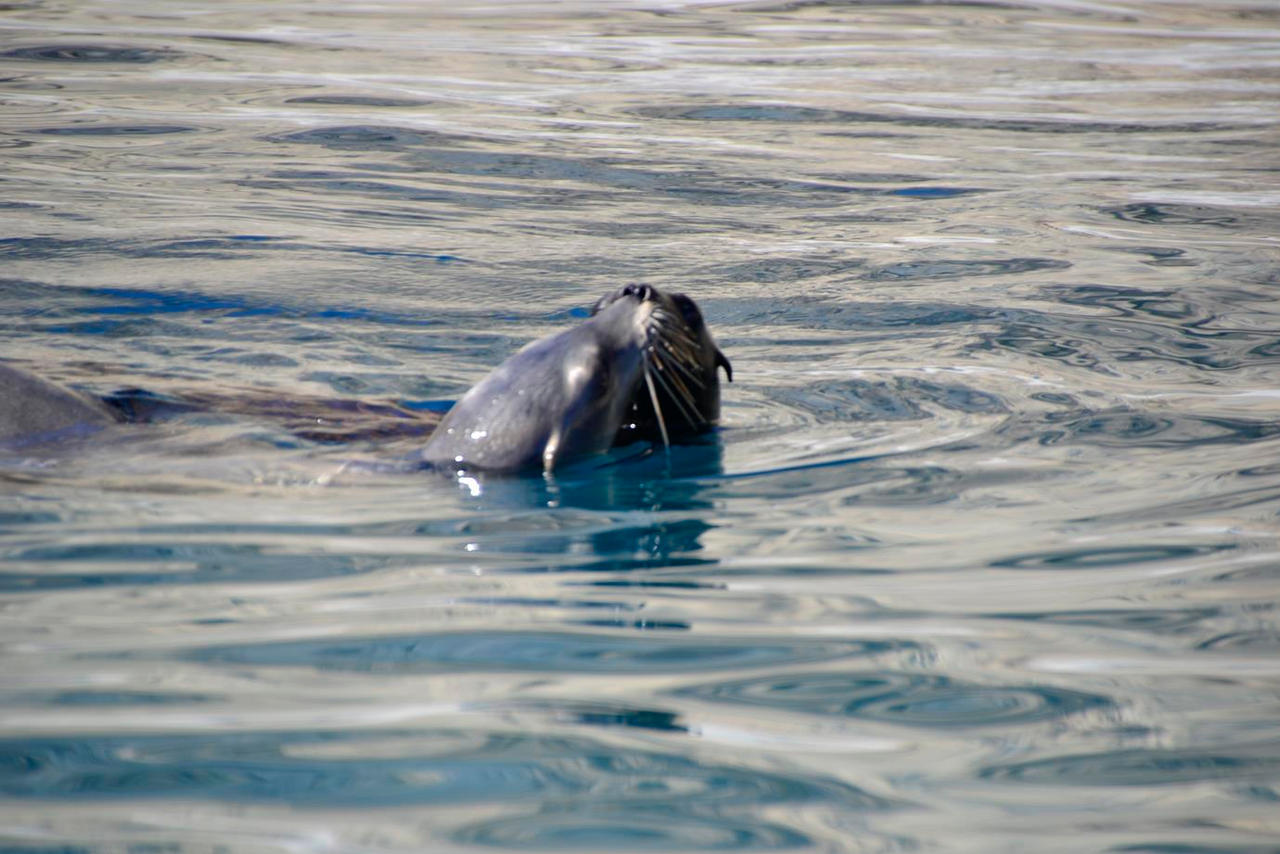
<point x="723" y="362"/>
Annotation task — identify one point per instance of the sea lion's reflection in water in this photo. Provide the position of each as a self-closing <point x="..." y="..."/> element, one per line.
<point x="641" y="507"/>
<point x="640" y="476"/>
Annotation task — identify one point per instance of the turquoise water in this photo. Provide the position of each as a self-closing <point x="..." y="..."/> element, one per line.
<point x="984" y="557"/>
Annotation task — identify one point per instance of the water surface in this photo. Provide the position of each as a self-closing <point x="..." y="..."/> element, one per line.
<point x="984" y="557"/>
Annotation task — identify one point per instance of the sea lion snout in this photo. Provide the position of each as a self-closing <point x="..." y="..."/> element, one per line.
<point x="640" y="293"/>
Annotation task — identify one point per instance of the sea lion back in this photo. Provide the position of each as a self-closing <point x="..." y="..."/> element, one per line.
<point x="33" y="409"/>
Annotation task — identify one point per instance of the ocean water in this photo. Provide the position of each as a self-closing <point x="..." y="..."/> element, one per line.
<point x="983" y="557"/>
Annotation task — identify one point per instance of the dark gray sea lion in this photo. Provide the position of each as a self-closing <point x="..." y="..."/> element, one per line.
<point x="34" y="410"/>
<point x="642" y="367"/>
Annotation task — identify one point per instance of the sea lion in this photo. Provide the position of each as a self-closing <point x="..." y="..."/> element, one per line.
<point x="641" y="367"/>
<point x="35" y="410"/>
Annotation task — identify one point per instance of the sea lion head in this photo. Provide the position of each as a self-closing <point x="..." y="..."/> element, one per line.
<point x="680" y="398"/>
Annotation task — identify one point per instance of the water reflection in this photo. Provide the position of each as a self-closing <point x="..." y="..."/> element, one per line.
<point x="638" y="508"/>
<point x="637" y="477"/>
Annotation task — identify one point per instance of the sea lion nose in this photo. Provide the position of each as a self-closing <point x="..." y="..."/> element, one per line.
<point x="644" y="293"/>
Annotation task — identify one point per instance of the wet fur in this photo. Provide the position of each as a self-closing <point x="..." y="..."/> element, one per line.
<point x="34" y="410"/>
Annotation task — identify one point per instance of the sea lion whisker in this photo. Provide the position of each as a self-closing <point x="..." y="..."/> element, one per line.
<point x="657" y="408"/>
<point x="667" y="328"/>
<point x="676" y="335"/>
<point x="689" y="400"/>
<point x="678" y="368"/>
<point x="679" y="386"/>
<point x="676" y="395"/>
<point x="685" y="366"/>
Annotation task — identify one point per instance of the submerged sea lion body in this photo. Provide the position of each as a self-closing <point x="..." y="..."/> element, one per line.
<point x="642" y="367"/>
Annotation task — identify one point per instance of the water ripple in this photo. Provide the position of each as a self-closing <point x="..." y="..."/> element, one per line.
<point x="790" y="114"/>
<point x="91" y="53"/>
<point x="88" y="697"/>
<point x="944" y="269"/>
<point x="1110" y="557"/>
<point x="366" y="137"/>
<point x="549" y="652"/>
<point x="147" y="563"/>
<point x="115" y="130"/>
<point x="1175" y="214"/>
<point x="1132" y="427"/>
<point x="908" y="699"/>
<point x="669" y="828"/>
<point x="1150" y="620"/>
<point x="399" y="768"/>
<point x="1263" y="640"/>
<point x="354" y="101"/>
<point x="895" y="399"/>
<point x="1147" y="767"/>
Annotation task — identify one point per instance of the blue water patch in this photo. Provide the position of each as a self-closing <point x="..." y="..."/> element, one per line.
<point x="327" y="768"/>
<point x="934" y="192"/>
<point x="546" y="652"/>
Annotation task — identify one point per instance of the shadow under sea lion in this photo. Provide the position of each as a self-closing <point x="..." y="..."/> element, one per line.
<point x="643" y="367"/>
